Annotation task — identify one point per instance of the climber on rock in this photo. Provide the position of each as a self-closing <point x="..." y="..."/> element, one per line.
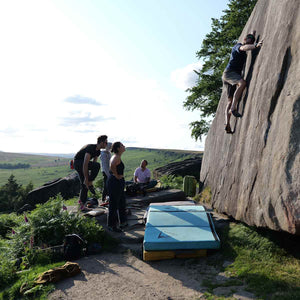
<point x="232" y="76"/>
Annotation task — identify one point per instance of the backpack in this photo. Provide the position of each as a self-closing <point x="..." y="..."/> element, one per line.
<point x="135" y="189"/>
<point x="132" y="190"/>
<point x="74" y="247"/>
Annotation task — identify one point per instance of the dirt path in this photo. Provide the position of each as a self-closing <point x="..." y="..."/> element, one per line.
<point x="124" y="275"/>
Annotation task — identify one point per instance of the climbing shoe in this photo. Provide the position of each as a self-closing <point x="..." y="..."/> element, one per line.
<point x="236" y="113"/>
<point x="228" y="129"/>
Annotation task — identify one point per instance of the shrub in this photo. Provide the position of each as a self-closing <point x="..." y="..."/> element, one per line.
<point x="47" y="226"/>
<point x="204" y="196"/>
<point x="174" y="182"/>
<point x="7" y="222"/>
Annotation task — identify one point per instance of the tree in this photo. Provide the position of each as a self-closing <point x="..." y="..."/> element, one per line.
<point x="215" y="52"/>
<point x="13" y="195"/>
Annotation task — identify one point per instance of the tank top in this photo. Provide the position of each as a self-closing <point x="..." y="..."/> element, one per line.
<point x="120" y="168"/>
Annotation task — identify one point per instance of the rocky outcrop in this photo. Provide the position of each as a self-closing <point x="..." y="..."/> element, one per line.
<point x="189" y="166"/>
<point x="68" y="187"/>
<point x="254" y="173"/>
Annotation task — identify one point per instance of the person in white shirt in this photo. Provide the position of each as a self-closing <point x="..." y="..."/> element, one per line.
<point x="104" y="159"/>
<point x="142" y="175"/>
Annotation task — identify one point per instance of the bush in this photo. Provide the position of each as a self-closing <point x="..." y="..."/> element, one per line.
<point x="7" y="269"/>
<point x="13" y="195"/>
<point x="47" y="226"/>
<point x="174" y="182"/>
<point x="7" y="222"/>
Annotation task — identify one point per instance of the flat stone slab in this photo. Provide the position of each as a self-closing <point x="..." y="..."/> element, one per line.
<point x="159" y="196"/>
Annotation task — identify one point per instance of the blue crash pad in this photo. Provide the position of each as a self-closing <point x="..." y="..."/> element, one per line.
<point x="178" y="219"/>
<point x="175" y="238"/>
<point x="163" y="208"/>
<point x="179" y="227"/>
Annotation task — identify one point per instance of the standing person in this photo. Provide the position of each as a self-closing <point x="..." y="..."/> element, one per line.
<point x="105" y="158"/>
<point x="142" y="175"/>
<point x="87" y="169"/>
<point x="232" y="76"/>
<point x="115" y="187"/>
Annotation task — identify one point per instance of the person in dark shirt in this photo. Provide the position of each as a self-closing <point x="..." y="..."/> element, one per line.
<point x="115" y="187"/>
<point x="232" y="76"/>
<point x="87" y="169"/>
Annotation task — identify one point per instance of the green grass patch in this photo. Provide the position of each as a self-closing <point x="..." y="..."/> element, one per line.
<point x="47" y="168"/>
<point x="264" y="259"/>
<point x="204" y="196"/>
<point x="25" y="288"/>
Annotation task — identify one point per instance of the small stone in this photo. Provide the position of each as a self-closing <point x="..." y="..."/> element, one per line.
<point x="243" y="295"/>
<point x="221" y="277"/>
<point x="227" y="263"/>
<point x="222" y="291"/>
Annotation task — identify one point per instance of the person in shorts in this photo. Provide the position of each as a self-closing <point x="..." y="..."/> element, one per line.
<point x="232" y="76"/>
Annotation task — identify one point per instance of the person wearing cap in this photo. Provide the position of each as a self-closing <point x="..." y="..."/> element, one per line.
<point x="87" y="167"/>
<point x="232" y="76"/>
<point x="104" y="159"/>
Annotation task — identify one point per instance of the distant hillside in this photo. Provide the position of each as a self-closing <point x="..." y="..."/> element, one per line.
<point x="44" y="168"/>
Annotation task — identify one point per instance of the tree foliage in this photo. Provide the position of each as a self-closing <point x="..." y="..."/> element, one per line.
<point x="13" y="195"/>
<point x="215" y="52"/>
<point x="14" y="166"/>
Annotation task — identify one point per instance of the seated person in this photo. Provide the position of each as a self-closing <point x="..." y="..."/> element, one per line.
<point x="142" y="175"/>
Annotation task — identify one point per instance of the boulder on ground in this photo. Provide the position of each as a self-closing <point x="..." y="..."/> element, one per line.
<point x="189" y="166"/>
<point x="68" y="187"/>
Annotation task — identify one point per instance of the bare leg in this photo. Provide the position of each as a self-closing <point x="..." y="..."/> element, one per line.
<point x="227" y="111"/>
<point x="238" y="93"/>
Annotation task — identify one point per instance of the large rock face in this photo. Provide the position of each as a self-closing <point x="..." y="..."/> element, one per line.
<point x="254" y="174"/>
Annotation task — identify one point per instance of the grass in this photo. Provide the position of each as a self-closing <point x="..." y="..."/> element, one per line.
<point x="268" y="262"/>
<point x="26" y="279"/>
<point x="47" y="168"/>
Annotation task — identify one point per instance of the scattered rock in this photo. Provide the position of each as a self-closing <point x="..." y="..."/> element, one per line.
<point x="222" y="291"/>
<point x="222" y="277"/>
<point x="243" y="295"/>
<point x="227" y="263"/>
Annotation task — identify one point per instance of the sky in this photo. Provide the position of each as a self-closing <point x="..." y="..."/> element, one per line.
<point x="71" y="70"/>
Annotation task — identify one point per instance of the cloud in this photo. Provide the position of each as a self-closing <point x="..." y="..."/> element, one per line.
<point x="83" y="120"/>
<point x="185" y="77"/>
<point x="81" y="100"/>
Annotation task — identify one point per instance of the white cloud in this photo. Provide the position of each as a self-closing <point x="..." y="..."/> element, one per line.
<point x="78" y="99"/>
<point x="185" y="77"/>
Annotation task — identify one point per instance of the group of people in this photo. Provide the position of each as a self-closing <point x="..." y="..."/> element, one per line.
<point x="85" y="160"/>
<point x="87" y="167"/>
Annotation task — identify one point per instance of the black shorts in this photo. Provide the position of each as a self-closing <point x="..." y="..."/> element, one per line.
<point x="230" y="89"/>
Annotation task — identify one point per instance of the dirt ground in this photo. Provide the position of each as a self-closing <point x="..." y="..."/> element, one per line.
<point x="123" y="274"/>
